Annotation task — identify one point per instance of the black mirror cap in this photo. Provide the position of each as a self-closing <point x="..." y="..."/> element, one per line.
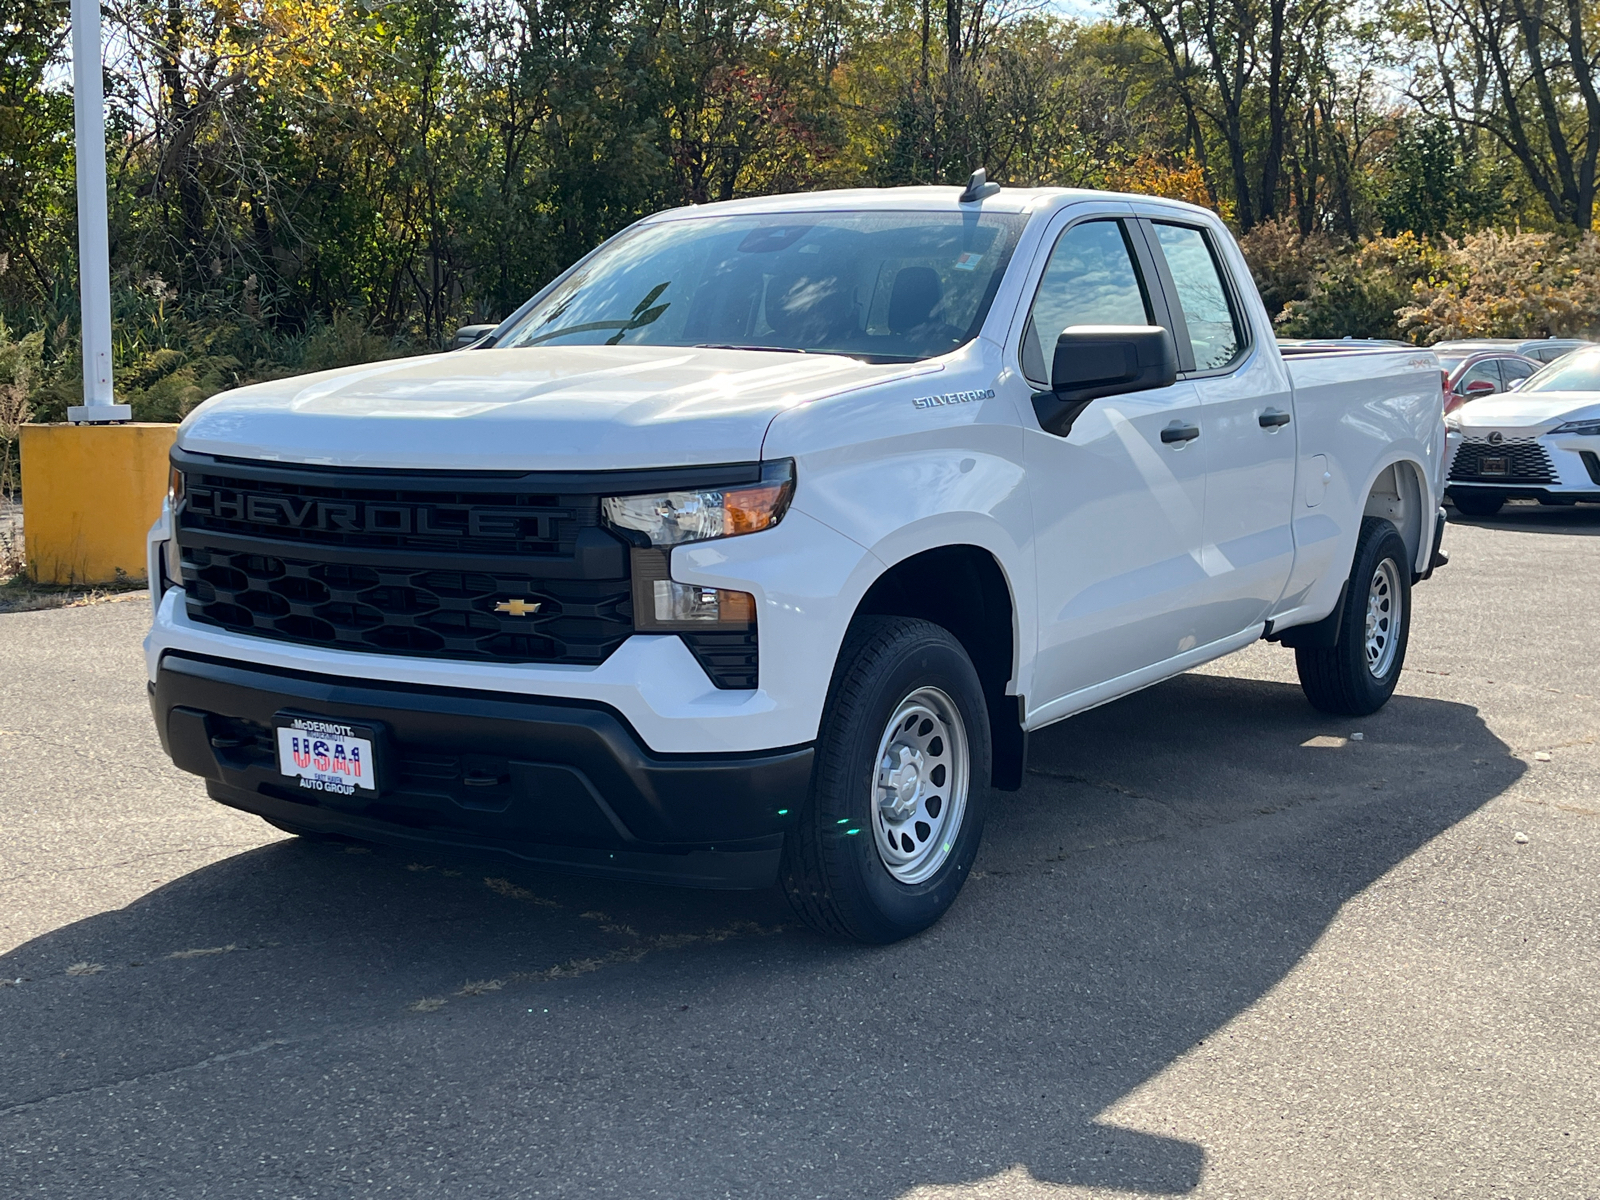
<point x="469" y="335"/>
<point x="1092" y="361"/>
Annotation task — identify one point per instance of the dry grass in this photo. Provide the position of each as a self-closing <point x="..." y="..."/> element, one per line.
<point x="19" y="593"/>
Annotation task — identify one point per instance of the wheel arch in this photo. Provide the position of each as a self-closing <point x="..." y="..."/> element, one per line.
<point x="964" y="589"/>
<point x="1398" y="492"/>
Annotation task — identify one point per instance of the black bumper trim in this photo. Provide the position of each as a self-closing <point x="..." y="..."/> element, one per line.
<point x="1512" y="491"/>
<point x="571" y="784"/>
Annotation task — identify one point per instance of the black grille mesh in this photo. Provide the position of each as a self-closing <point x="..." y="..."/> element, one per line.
<point x="1526" y="461"/>
<point x="383" y="562"/>
<point x="400" y="610"/>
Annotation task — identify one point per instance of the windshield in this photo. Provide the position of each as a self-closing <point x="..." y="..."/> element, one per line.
<point x="889" y="287"/>
<point x="1575" y="372"/>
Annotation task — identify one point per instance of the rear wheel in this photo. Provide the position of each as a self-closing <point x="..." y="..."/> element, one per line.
<point x="1477" y="504"/>
<point x="1357" y="675"/>
<point x="900" y="787"/>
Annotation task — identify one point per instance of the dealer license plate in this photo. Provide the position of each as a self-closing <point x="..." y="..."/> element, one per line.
<point x="327" y="756"/>
<point x="1493" y="466"/>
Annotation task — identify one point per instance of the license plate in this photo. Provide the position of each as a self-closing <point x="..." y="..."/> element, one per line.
<point x="1493" y="466"/>
<point x="327" y="756"/>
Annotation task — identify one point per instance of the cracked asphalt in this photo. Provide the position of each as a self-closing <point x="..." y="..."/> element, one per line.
<point x="1218" y="946"/>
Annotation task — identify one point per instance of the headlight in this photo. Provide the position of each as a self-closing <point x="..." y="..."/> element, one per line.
<point x="1588" y="427"/>
<point x="663" y="605"/>
<point x="171" y="559"/>
<point x="671" y="518"/>
<point x="689" y="606"/>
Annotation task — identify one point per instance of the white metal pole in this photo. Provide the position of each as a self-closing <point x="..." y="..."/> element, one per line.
<point x="94" y="255"/>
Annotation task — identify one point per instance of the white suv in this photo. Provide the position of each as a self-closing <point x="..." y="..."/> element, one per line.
<point x="1541" y="442"/>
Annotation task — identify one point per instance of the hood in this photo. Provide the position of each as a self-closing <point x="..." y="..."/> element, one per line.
<point x="577" y="408"/>
<point x="1524" y="411"/>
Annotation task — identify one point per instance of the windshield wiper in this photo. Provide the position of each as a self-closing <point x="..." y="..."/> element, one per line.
<point x="643" y="314"/>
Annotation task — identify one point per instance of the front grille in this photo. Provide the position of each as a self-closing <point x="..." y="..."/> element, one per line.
<point x="388" y="511"/>
<point x="1524" y="461"/>
<point x="403" y="610"/>
<point x="488" y="567"/>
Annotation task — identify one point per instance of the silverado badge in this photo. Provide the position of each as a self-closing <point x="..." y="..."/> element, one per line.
<point x="517" y="608"/>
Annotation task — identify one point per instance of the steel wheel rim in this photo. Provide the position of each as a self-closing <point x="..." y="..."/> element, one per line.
<point x="1383" y="618"/>
<point x="919" y="790"/>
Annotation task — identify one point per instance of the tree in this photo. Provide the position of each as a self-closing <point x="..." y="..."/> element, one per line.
<point x="1238" y="65"/>
<point x="35" y="151"/>
<point x="1523" y="73"/>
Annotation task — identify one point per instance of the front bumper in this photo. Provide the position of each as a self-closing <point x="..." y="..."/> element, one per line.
<point x="573" y="786"/>
<point x="1563" y="469"/>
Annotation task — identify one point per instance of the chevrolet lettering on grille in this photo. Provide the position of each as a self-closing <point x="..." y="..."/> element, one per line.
<point x="359" y="516"/>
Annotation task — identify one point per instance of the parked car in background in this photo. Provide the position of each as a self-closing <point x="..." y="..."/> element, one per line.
<point x="1542" y="443"/>
<point x="1471" y="375"/>
<point x="1544" y="350"/>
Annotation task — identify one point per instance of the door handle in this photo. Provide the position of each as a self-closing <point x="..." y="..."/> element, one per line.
<point x="1272" y="419"/>
<point x="1179" y="433"/>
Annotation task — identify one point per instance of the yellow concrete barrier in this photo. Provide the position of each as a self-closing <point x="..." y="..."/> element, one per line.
<point x="89" y="496"/>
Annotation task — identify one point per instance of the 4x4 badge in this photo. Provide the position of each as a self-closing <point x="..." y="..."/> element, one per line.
<point x="517" y="608"/>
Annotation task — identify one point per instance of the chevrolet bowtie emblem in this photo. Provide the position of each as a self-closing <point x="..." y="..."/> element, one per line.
<point x="517" y="607"/>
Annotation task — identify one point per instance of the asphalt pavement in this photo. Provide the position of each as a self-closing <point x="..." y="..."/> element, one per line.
<point x="1218" y="946"/>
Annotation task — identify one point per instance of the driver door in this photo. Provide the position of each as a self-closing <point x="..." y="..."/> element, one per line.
<point x="1119" y="502"/>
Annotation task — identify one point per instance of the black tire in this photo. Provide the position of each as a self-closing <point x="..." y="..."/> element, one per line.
<point x="834" y="871"/>
<point x="1477" y="504"/>
<point x="1339" y="679"/>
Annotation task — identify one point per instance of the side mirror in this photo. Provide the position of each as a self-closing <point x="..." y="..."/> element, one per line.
<point x="1093" y="361"/>
<point x="1515" y="384"/>
<point x="1480" y="387"/>
<point x="467" y="335"/>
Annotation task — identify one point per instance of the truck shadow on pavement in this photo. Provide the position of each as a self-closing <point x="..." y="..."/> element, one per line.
<point x="354" y="1020"/>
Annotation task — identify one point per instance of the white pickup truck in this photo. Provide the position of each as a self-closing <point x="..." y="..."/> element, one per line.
<point x="753" y="547"/>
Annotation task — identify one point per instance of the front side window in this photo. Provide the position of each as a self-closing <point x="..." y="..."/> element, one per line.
<point x="885" y="286"/>
<point x="1089" y="280"/>
<point x="1214" y="330"/>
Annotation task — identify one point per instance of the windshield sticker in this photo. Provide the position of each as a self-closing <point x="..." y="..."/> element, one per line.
<point x="968" y="261"/>
<point x="952" y="398"/>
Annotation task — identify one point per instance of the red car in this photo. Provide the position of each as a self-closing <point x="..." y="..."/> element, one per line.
<point x="1470" y="374"/>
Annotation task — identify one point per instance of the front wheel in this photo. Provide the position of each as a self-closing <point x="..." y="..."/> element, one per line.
<point x="900" y="786"/>
<point x="1357" y="674"/>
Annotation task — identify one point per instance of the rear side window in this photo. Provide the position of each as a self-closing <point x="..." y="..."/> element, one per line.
<point x="1512" y="369"/>
<point x="1215" y="332"/>
<point x="1089" y="280"/>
